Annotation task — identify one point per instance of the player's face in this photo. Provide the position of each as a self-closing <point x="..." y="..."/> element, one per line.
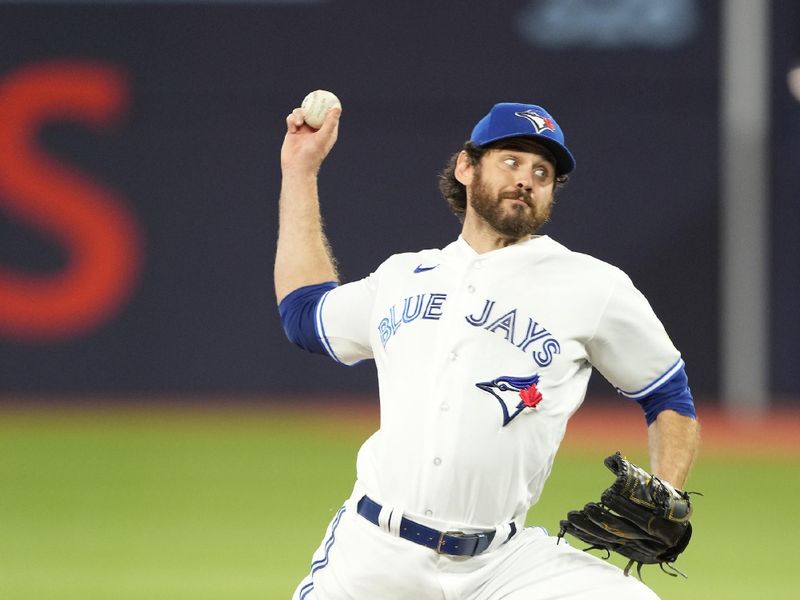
<point x="512" y="191"/>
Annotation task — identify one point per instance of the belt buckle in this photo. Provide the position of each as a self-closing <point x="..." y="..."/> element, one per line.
<point x="442" y="535"/>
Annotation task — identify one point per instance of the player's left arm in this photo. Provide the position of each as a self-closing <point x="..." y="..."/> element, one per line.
<point x="633" y="351"/>
<point x="673" y="439"/>
<point x="673" y="430"/>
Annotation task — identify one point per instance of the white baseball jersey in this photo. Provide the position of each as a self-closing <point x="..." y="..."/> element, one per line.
<point x="455" y="336"/>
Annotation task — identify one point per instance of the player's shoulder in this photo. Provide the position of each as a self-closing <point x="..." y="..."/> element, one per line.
<point x="418" y="259"/>
<point x="586" y="264"/>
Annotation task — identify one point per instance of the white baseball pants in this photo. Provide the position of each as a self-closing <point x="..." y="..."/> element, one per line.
<point x="357" y="560"/>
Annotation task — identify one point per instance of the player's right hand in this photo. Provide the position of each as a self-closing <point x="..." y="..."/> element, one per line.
<point x="305" y="148"/>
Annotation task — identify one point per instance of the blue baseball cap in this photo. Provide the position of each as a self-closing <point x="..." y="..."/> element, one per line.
<point x="512" y="120"/>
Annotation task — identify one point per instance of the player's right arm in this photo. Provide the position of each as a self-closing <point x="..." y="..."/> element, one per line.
<point x="303" y="257"/>
<point x="317" y="313"/>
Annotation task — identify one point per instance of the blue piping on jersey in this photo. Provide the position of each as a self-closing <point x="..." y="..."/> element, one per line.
<point x="659" y="381"/>
<point x="320" y="328"/>
<point x="299" y="312"/>
<point x="672" y="394"/>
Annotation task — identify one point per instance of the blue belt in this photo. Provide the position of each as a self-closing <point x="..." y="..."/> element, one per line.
<point x="455" y="543"/>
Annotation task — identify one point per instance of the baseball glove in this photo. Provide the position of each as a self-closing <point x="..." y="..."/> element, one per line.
<point x="639" y="516"/>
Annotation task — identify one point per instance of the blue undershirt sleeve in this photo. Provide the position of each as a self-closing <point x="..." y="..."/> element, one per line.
<point x="298" y="315"/>
<point x="673" y="394"/>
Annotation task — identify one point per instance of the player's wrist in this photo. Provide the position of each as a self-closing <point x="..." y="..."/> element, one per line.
<point x="299" y="174"/>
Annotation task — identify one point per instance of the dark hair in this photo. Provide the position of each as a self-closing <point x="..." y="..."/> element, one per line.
<point x="454" y="191"/>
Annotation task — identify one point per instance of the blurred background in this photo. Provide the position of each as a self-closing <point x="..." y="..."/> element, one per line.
<point x="159" y="437"/>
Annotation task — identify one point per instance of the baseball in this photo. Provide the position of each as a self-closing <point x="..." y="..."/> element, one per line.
<point x="316" y="105"/>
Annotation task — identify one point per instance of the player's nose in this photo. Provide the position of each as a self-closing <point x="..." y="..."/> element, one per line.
<point x="524" y="184"/>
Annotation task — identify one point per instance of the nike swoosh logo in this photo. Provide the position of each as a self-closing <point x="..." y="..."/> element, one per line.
<point x="421" y="269"/>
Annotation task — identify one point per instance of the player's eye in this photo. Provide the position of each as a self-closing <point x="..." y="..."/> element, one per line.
<point x="542" y="174"/>
<point x="510" y="161"/>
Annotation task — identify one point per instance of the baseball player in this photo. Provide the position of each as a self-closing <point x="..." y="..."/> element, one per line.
<point x="483" y="350"/>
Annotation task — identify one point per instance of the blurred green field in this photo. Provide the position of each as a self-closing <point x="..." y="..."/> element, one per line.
<point x="123" y="504"/>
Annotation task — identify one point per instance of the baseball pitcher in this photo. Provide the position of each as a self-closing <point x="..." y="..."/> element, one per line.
<point x="484" y="350"/>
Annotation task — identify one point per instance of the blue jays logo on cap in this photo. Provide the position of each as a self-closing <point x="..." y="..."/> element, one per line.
<point x="512" y="120"/>
<point x="539" y="122"/>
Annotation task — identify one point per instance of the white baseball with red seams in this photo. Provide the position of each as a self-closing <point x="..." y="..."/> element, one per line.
<point x="316" y="105"/>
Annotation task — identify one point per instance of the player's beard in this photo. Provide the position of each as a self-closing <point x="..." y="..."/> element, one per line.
<point x="515" y="223"/>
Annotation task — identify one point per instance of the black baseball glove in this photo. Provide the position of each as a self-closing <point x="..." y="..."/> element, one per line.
<point x="639" y="516"/>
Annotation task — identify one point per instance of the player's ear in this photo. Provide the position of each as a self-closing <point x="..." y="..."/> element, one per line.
<point x="464" y="170"/>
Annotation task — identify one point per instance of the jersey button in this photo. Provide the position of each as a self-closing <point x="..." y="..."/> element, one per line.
<point x="471" y="289"/>
<point x="444" y="407"/>
<point x="477" y="265"/>
<point x="437" y="461"/>
<point x="429" y="513"/>
<point x="452" y="356"/>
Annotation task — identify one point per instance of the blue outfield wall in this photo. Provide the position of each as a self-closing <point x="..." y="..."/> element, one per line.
<point x="139" y="171"/>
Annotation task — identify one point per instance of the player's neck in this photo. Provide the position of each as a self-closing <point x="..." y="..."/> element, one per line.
<point x="484" y="238"/>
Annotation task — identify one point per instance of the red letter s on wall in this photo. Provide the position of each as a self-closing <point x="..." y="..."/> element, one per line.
<point x="98" y="232"/>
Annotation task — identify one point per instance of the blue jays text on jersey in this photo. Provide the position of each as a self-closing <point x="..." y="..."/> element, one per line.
<point x="530" y="337"/>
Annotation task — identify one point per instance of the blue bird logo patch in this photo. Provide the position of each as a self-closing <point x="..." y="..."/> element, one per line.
<point x="514" y="394"/>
